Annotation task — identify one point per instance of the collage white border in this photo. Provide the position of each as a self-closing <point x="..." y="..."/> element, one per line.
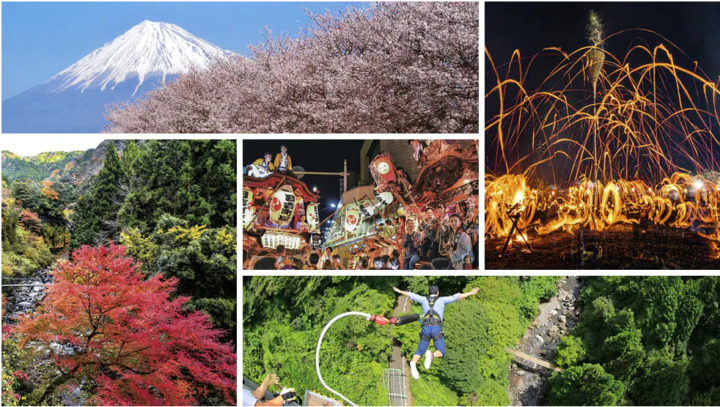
<point x="271" y="137"/>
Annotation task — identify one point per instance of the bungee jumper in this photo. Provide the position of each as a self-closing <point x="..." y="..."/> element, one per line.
<point x="432" y="320"/>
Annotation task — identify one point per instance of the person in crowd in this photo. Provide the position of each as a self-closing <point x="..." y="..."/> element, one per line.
<point x="432" y="321"/>
<point x="283" y="162"/>
<point x="313" y="260"/>
<point x="459" y="250"/>
<point x="326" y="256"/>
<point x="262" y="167"/>
<point x="412" y="247"/>
<point x="280" y="259"/>
<point x="387" y="231"/>
<point x="386" y="261"/>
<point x="394" y="262"/>
<point x="288" y="263"/>
<point x="429" y="233"/>
<point x="253" y="398"/>
<point x="327" y="265"/>
<point x="301" y="224"/>
<point x="337" y="262"/>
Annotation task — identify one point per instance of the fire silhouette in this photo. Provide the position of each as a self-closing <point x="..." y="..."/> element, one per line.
<point x="602" y="140"/>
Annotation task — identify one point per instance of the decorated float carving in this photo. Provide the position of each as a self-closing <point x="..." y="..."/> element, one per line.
<point x="272" y="207"/>
<point x="448" y="179"/>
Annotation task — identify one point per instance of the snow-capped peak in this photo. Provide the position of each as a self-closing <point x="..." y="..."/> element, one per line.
<point x="147" y="49"/>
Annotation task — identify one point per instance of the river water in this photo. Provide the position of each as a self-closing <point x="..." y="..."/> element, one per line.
<point x="528" y="383"/>
<point x="24" y="299"/>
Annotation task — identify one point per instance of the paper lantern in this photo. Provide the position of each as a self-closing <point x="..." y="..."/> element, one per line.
<point x="383" y="170"/>
<point x="352" y="219"/>
<point x="274" y="238"/>
<point x="248" y="209"/>
<point x="282" y="206"/>
<point x="367" y="208"/>
<point x="313" y="216"/>
<point x="383" y="195"/>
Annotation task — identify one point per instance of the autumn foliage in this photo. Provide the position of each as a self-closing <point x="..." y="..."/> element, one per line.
<point x="128" y="334"/>
<point x="48" y="191"/>
<point x="396" y="67"/>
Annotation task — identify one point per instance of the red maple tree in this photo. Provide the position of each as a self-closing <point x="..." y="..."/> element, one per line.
<point x="128" y="335"/>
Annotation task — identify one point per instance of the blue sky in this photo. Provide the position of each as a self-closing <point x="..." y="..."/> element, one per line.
<point x="40" y="39"/>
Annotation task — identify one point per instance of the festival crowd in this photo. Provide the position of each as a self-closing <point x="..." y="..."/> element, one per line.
<point x="438" y="238"/>
<point x="441" y="241"/>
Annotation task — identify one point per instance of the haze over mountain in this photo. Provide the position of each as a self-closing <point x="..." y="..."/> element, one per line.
<point x="75" y="99"/>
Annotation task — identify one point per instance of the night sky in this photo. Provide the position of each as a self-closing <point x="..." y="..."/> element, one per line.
<point x="530" y="27"/>
<point x="312" y="155"/>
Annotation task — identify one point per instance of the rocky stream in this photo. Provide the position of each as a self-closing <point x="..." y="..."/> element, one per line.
<point x="528" y="382"/>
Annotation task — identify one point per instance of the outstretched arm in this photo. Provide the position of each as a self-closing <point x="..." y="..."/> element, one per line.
<point x="270" y="380"/>
<point x="401" y="292"/>
<point x="469" y="293"/>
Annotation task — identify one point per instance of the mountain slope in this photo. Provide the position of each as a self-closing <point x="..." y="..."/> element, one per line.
<point x="74" y="167"/>
<point x="75" y="99"/>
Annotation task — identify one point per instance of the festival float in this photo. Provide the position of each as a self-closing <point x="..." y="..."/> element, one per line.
<point x="272" y="206"/>
<point x="447" y="182"/>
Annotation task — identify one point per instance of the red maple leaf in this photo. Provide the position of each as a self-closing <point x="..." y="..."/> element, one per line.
<point x="128" y="334"/>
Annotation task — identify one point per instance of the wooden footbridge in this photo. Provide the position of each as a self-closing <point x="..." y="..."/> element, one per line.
<point x="523" y="357"/>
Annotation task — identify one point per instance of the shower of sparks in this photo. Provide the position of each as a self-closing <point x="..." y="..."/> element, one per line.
<point x="655" y="143"/>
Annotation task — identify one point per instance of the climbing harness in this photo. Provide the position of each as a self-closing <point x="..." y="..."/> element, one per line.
<point x="431" y="317"/>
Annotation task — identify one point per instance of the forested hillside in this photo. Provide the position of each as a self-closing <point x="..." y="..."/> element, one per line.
<point x="643" y="341"/>
<point x="38" y="167"/>
<point x="283" y="317"/>
<point x="165" y="210"/>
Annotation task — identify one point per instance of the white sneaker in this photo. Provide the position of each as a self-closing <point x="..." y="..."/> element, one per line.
<point x="413" y="371"/>
<point x="428" y="359"/>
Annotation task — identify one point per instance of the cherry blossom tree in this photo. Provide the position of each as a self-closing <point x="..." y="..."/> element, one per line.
<point x="394" y="67"/>
<point x="102" y="322"/>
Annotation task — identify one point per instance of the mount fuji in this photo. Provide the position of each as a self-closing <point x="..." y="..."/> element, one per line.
<point x="75" y="99"/>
